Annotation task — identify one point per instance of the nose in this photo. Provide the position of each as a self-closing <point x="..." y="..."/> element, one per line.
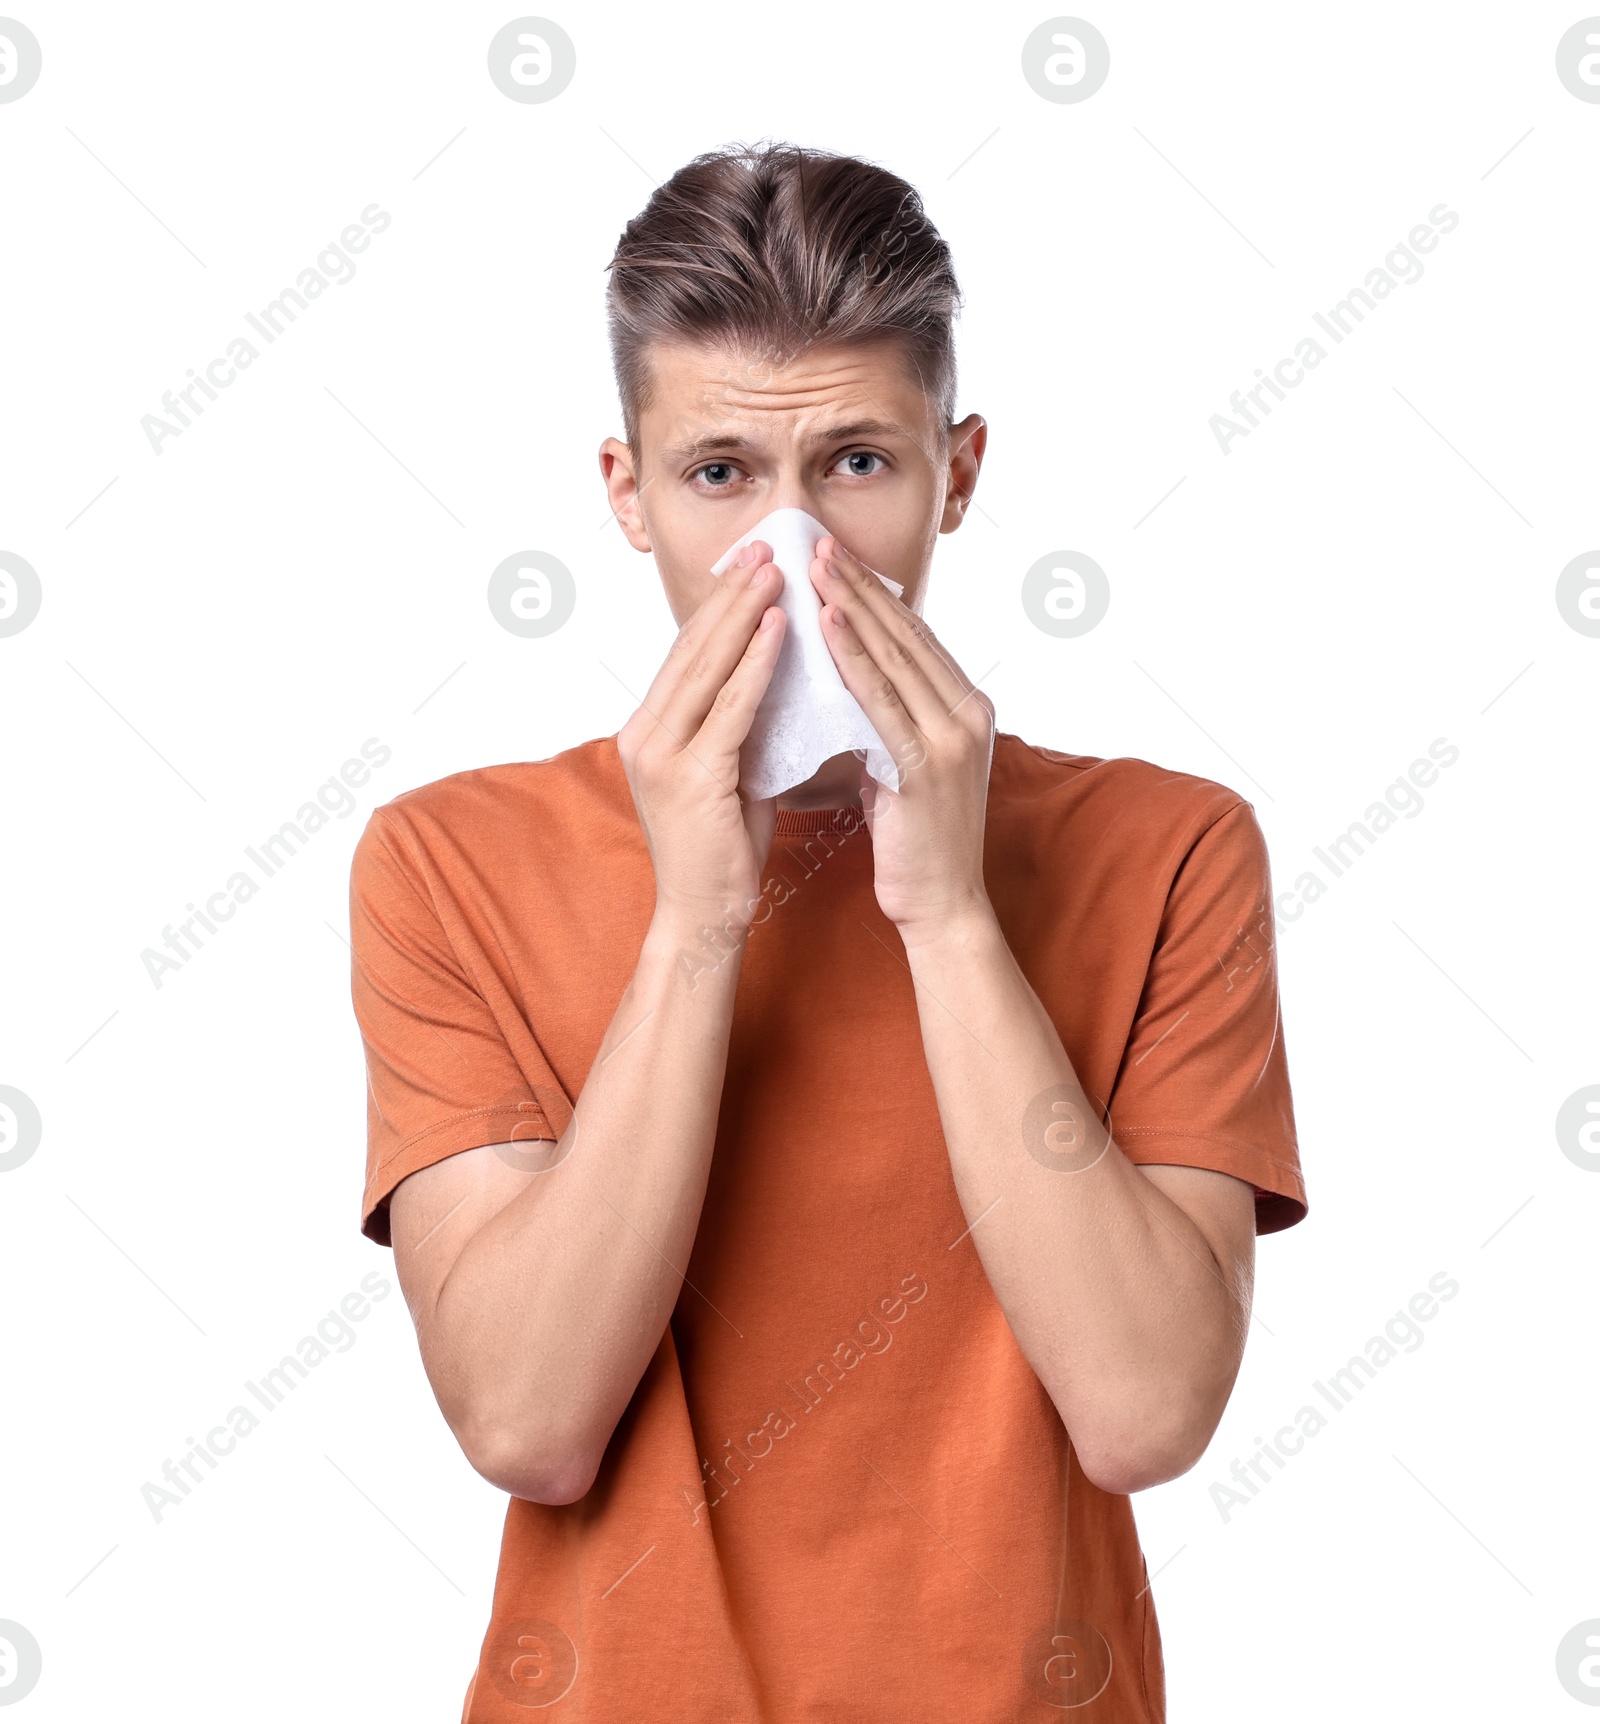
<point x="792" y="493"/>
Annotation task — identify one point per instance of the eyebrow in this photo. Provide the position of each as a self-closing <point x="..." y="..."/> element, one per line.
<point x="718" y="442"/>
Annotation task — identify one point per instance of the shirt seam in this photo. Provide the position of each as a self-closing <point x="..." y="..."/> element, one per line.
<point x="1144" y="1638"/>
<point x="523" y="1110"/>
<point x="1186" y="848"/>
<point x="1127" y="1131"/>
<point x="399" y="853"/>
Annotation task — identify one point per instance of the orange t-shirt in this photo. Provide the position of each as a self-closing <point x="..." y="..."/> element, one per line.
<point x="839" y="1491"/>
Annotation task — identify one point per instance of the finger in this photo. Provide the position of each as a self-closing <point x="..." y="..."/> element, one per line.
<point x="938" y="663"/>
<point x="874" y="691"/>
<point x="710" y="644"/>
<point x="707" y="616"/>
<point x="895" y="643"/>
<point x="733" y="707"/>
<point x="953" y="682"/>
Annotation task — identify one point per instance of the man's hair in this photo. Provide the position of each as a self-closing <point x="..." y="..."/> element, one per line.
<point x="771" y="248"/>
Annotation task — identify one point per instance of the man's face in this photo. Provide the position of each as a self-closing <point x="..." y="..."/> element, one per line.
<point x="844" y="433"/>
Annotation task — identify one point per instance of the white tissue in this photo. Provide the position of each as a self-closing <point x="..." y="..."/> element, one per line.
<point x="807" y="714"/>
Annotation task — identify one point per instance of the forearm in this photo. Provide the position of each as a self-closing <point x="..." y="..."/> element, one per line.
<point x="1112" y="1292"/>
<point x="550" y="1315"/>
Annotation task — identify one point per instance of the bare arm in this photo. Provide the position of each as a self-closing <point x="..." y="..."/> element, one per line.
<point x="1127" y="1289"/>
<point x="540" y="1296"/>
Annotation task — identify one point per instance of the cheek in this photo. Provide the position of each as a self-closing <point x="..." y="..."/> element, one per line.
<point x="686" y="593"/>
<point x="891" y="535"/>
<point x="684" y="549"/>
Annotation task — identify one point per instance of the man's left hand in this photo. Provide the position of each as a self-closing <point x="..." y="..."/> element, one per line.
<point x="927" y="837"/>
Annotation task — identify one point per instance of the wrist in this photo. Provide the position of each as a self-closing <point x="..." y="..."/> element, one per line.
<point x="699" y="939"/>
<point x="969" y="925"/>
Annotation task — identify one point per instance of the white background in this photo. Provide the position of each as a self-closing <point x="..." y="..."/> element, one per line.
<point x="1372" y="568"/>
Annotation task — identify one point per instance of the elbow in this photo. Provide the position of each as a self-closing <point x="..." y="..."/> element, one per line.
<point x="1140" y="1455"/>
<point x="1124" y="1471"/>
<point x="555" y="1486"/>
<point x="550" y="1471"/>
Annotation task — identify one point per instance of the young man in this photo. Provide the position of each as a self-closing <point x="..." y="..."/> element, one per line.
<point x="818" y="1215"/>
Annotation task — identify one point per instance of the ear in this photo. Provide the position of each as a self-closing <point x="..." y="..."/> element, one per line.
<point x="967" y="443"/>
<point x="622" y="491"/>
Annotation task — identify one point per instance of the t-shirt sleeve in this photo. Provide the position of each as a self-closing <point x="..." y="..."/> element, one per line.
<point x="441" y="1074"/>
<point x="1204" y="1081"/>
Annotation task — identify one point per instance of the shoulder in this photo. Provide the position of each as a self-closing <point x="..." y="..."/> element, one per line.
<point x="1118" y="804"/>
<point x="520" y="814"/>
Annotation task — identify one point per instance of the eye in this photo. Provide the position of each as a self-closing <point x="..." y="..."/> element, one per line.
<point x="717" y="474"/>
<point x="856" y="471"/>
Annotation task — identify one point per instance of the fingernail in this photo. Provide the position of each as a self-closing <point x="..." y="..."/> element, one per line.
<point x="743" y="560"/>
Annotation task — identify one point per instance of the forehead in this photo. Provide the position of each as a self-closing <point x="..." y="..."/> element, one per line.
<point x="704" y="391"/>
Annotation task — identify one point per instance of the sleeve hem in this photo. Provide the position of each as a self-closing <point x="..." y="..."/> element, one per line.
<point x="476" y="1128"/>
<point x="1280" y="1189"/>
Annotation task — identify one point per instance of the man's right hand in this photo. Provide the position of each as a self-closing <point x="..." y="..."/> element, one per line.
<point x="541" y="1277"/>
<point x="680" y="750"/>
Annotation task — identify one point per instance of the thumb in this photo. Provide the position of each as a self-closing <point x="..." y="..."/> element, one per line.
<point x="761" y="822"/>
<point x="869" y="796"/>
